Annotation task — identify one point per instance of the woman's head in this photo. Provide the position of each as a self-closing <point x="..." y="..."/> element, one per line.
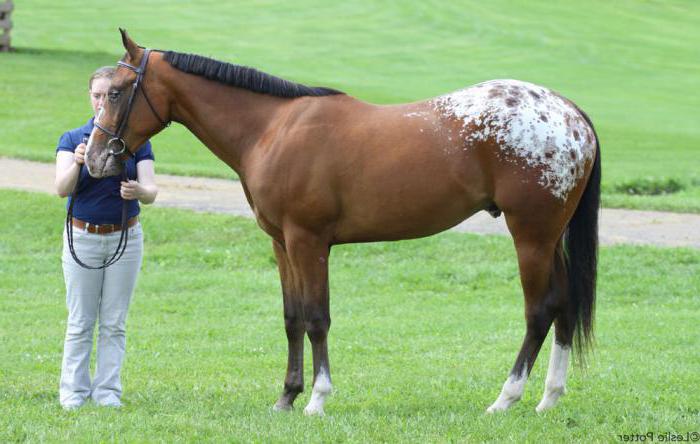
<point x="99" y="85"/>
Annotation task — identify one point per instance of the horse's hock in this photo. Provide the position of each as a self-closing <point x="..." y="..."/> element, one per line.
<point x="5" y="24"/>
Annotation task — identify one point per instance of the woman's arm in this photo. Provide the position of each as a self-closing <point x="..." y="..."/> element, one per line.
<point x="67" y="169"/>
<point x="145" y="189"/>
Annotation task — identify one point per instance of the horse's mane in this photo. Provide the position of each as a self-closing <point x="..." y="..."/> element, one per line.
<point x="242" y="76"/>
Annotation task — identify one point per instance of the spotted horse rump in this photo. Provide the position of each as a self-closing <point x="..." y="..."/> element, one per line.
<point x="529" y="123"/>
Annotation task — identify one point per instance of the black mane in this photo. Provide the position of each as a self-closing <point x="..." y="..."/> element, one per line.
<point x="242" y="76"/>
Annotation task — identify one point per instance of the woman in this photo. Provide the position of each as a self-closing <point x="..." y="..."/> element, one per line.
<point x="102" y="295"/>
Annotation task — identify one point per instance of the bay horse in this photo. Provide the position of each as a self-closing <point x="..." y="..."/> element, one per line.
<point x="320" y="168"/>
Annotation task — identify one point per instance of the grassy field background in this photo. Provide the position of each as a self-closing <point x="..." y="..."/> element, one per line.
<point x="633" y="66"/>
<point x="424" y="333"/>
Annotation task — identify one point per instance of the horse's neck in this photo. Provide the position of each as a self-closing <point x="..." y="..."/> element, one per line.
<point x="228" y="120"/>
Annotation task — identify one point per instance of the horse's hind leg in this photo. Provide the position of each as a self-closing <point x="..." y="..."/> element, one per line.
<point x="542" y="287"/>
<point x="555" y="384"/>
<point x="308" y="256"/>
<point x="294" y="326"/>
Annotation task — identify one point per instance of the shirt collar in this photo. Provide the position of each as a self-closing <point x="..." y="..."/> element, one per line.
<point x="87" y="128"/>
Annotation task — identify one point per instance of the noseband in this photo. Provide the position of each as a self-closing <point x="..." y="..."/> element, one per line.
<point x="116" y="137"/>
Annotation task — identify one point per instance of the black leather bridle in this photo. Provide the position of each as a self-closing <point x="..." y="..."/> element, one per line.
<point x="122" y="153"/>
<point x="116" y="137"/>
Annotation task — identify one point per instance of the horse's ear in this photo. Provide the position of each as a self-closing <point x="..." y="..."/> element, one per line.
<point x="130" y="46"/>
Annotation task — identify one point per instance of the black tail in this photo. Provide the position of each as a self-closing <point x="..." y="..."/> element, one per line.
<point x="581" y="244"/>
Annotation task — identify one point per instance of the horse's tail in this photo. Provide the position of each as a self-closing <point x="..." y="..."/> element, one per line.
<point x="581" y="253"/>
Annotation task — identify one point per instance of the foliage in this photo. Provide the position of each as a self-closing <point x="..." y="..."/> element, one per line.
<point x="650" y="186"/>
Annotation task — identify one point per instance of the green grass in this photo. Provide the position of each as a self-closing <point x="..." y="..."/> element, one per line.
<point x="424" y="333"/>
<point x="633" y="66"/>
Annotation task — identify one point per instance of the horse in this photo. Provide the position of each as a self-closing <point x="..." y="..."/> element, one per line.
<point x="320" y="168"/>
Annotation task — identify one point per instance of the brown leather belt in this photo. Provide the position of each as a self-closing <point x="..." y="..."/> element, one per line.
<point x="104" y="228"/>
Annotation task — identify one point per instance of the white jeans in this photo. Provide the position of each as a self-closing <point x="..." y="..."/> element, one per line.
<point x="92" y="295"/>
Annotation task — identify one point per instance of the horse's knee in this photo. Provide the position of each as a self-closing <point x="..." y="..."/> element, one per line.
<point x="317" y="324"/>
<point x="294" y="326"/>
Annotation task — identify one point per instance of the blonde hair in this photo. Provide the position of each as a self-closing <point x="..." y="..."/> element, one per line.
<point x="106" y="72"/>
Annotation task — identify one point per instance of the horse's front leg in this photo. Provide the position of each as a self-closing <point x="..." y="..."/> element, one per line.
<point x="294" y="326"/>
<point x="308" y="255"/>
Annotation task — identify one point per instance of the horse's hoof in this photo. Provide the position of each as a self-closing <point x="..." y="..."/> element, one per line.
<point x="547" y="403"/>
<point x="550" y="398"/>
<point x="313" y="411"/>
<point x="282" y="407"/>
<point x="497" y="407"/>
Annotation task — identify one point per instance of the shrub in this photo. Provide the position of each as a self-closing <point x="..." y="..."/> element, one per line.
<point x="649" y="186"/>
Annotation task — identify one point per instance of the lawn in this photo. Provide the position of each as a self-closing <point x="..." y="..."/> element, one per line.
<point x="424" y="333"/>
<point x="633" y="66"/>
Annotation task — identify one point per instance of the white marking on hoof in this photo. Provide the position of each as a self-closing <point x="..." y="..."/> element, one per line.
<point x="555" y="384"/>
<point x="511" y="393"/>
<point x="322" y="388"/>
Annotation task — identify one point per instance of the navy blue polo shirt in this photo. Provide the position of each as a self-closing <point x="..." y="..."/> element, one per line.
<point x="99" y="201"/>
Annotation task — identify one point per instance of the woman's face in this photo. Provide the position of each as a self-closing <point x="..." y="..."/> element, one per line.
<point x="98" y="93"/>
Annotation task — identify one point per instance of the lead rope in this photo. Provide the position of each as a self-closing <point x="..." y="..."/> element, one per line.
<point x="124" y="234"/>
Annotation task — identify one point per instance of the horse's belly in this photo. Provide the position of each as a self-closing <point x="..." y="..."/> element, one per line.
<point x="391" y="214"/>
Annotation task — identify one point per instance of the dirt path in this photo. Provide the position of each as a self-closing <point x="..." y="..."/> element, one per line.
<point x="226" y="196"/>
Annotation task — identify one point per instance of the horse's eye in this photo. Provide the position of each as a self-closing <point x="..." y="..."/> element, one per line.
<point x="113" y="95"/>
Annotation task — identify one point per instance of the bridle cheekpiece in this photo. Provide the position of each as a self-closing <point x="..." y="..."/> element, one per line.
<point x="116" y="140"/>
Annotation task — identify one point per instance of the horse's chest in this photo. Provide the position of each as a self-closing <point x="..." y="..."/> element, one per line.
<point x="530" y="125"/>
<point x="266" y="219"/>
<point x="269" y="227"/>
<point x="259" y="200"/>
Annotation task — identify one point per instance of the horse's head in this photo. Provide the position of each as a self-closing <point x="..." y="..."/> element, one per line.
<point x="135" y="109"/>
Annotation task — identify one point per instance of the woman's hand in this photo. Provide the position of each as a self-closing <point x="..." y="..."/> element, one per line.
<point x="79" y="154"/>
<point x="131" y="190"/>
